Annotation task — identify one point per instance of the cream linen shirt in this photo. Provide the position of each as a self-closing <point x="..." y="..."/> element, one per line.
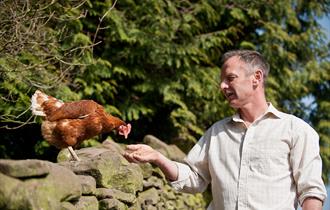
<point x="271" y="165"/>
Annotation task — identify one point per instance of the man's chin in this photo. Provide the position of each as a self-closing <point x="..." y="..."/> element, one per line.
<point x="234" y="105"/>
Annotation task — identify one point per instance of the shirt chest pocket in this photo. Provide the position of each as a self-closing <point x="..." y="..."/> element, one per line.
<point x="269" y="161"/>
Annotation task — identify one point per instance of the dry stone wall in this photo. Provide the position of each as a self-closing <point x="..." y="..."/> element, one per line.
<point x="103" y="179"/>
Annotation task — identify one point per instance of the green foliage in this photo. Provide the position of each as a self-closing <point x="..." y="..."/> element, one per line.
<point x="156" y="63"/>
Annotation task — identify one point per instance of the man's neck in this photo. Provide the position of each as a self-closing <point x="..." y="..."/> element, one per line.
<point x="252" y="111"/>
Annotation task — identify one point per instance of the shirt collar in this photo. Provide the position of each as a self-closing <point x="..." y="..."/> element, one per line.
<point x="270" y="110"/>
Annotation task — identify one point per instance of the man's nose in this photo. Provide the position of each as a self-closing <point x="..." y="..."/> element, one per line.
<point x="223" y="85"/>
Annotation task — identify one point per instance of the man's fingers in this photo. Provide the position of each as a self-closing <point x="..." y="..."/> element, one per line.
<point x="134" y="157"/>
<point x="138" y="153"/>
<point x="132" y="147"/>
<point x="137" y="156"/>
<point x="130" y="157"/>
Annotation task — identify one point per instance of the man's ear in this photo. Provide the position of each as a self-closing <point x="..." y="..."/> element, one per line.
<point x="258" y="77"/>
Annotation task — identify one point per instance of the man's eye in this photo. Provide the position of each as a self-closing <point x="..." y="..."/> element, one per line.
<point x="231" y="78"/>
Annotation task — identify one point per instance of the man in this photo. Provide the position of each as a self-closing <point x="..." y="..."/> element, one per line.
<point x="260" y="158"/>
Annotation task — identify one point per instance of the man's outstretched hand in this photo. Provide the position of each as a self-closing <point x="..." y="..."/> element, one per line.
<point x="141" y="153"/>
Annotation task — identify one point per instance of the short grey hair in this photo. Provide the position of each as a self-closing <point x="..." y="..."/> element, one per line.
<point x="253" y="58"/>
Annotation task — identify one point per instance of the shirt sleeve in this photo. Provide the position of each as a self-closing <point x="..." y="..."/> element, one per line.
<point x="306" y="162"/>
<point x="193" y="174"/>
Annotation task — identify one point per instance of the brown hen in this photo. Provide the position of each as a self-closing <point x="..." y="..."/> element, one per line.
<point x="66" y="125"/>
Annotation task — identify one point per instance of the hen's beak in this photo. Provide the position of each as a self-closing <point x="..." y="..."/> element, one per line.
<point x="125" y="130"/>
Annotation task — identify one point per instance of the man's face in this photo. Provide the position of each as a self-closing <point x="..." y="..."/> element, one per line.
<point x="236" y="83"/>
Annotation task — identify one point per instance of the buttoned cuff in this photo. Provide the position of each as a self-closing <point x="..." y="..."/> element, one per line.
<point x="183" y="174"/>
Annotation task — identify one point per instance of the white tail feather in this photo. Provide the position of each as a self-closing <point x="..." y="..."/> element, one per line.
<point x="38" y="98"/>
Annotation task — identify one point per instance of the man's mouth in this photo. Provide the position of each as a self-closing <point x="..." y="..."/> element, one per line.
<point x="229" y="95"/>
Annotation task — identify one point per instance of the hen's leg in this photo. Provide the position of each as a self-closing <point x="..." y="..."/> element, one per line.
<point x="73" y="154"/>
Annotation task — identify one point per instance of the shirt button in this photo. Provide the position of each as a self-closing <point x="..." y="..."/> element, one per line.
<point x="243" y="162"/>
